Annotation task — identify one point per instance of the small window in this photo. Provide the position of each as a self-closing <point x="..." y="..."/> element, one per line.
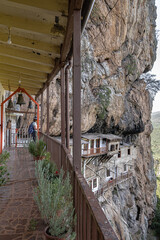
<point x="112" y="148"/>
<point x="116" y="146"/>
<point x="116" y="171"/>
<point x="97" y="143"/>
<point x="92" y="143"/>
<point x="125" y="167"/>
<point x="119" y="154"/>
<point x="95" y="183"/>
<point x="129" y="151"/>
<point x="104" y="141"/>
<point x="85" y="147"/>
<point x="108" y="173"/>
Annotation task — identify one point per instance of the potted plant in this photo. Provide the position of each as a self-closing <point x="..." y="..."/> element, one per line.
<point x="4" y="175"/>
<point x="54" y="199"/>
<point x="37" y="149"/>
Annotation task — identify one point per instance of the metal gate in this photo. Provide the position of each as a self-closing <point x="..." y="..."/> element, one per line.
<point x="17" y="137"/>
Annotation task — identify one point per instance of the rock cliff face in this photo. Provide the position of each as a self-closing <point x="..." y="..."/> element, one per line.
<point x="118" y="45"/>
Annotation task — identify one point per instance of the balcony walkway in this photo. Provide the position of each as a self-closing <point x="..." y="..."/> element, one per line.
<point x="19" y="216"/>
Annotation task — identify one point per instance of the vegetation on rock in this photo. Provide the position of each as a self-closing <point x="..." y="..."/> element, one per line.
<point x="155" y="139"/>
<point x="103" y="98"/>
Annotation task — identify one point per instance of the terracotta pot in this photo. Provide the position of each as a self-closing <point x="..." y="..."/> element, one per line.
<point x="48" y="237"/>
<point x="38" y="158"/>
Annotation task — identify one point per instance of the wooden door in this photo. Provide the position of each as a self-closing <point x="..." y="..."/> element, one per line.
<point x="98" y="145"/>
<point x="92" y="147"/>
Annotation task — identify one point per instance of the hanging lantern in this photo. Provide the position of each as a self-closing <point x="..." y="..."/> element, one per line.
<point x="10" y="104"/>
<point x="30" y="106"/>
<point x="36" y="106"/>
<point x="20" y="100"/>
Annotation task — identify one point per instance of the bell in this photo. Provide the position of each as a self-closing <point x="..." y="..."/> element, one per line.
<point x="30" y="106"/>
<point x="20" y="100"/>
<point x="10" y="104"/>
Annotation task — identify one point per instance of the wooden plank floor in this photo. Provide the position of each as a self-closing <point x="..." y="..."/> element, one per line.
<point x="19" y="216"/>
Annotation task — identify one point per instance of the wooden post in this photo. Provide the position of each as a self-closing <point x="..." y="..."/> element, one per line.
<point x="48" y="110"/>
<point x="35" y="109"/>
<point x="62" y="106"/>
<point x="67" y="105"/>
<point x="77" y="89"/>
<point x="41" y="110"/>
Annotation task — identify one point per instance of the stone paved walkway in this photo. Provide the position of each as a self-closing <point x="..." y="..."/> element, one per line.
<point x="19" y="216"/>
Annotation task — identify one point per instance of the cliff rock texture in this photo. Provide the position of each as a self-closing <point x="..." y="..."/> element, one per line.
<point x="118" y="45"/>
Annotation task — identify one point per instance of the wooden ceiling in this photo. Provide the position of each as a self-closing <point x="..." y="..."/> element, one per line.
<point x="37" y="32"/>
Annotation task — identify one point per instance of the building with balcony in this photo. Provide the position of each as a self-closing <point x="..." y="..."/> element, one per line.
<point x="105" y="157"/>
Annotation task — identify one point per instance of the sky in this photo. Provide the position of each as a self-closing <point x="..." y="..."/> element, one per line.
<point x="156" y="67"/>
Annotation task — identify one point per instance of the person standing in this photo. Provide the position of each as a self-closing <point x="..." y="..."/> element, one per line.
<point x="33" y="129"/>
<point x="34" y="124"/>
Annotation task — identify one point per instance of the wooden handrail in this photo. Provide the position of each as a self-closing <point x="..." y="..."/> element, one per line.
<point x="92" y="223"/>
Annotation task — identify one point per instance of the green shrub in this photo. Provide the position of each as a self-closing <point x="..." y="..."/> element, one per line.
<point x="156" y="221"/>
<point x="38" y="148"/>
<point x="55" y="203"/>
<point x="49" y="168"/>
<point x="4" y="175"/>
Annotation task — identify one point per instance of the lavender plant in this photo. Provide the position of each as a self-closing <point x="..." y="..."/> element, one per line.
<point x="4" y="175"/>
<point x="55" y="202"/>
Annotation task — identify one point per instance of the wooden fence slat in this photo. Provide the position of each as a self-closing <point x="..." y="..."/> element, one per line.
<point x="84" y="216"/>
<point x="88" y="224"/>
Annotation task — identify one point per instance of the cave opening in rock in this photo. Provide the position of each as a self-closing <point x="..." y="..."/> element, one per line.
<point x="138" y="213"/>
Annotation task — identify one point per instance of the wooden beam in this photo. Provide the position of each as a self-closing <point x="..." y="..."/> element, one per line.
<point x="32" y="43"/>
<point x="78" y="4"/>
<point x="23" y="76"/>
<point x="19" y="70"/>
<point x="69" y="31"/>
<point x="24" y="54"/>
<point x="15" y="82"/>
<point x="15" y="86"/>
<point x="30" y="25"/>
<point x="48" y="109"/>
<point x="32" y="91"/>
<point x="37" y="14"/>
<point x="63" y="129"/>
<point x="77" y="90"/>
<point x="42" y="106"/>
<point x="67" y="104"/>
<point x="14" y="111"/>
<point x="25" y="64"/>
<point x="50" y="5"/>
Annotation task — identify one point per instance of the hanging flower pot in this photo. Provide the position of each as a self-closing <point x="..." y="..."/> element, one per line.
<point x="48" y="236"/>
<point x="38" y="158"/>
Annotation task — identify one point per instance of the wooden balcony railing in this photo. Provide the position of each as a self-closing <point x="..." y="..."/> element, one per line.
<point x="94" y="151"/>
<point x="92" y="224"/>
<point x="112" y="183"/>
